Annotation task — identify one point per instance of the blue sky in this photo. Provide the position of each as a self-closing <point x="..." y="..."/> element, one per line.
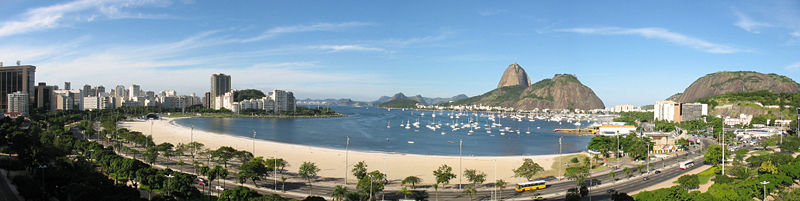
<point x="628" y="53"/>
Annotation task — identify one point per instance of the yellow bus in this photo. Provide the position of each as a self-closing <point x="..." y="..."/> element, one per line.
<point x="531" y="185"/>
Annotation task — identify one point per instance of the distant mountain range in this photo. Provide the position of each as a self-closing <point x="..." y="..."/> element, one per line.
<point x="383" y="99"/>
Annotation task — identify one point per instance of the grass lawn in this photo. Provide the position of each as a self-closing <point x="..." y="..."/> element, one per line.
<point x="705" y="175"/>
<point x="556" y="166"/>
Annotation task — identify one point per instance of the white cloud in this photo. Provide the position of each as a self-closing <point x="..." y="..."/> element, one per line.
<point x="54" y="16"/>
<point x="748" y="24"/>
<point x="662" y="34"/>
<point x="793" y="67"/>
<point x="338" y="48"/>
<point x="302" y="28"/>
<point x="795" y="34"/>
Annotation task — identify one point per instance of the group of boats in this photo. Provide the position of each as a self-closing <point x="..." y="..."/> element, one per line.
<point x="477" y="122"/>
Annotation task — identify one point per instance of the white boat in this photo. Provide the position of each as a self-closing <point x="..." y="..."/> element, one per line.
<point x="388" y="124"/>
<point x="411" y="142"/>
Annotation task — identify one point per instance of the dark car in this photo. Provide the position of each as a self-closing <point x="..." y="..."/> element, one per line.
<point x="658" y="171"/>
<point x="611" y="190"/>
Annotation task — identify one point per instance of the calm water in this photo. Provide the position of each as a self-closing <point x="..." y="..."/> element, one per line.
<point x="367" y="128"/>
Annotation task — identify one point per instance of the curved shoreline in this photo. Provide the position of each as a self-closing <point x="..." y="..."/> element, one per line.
<point x="332" y="160"/>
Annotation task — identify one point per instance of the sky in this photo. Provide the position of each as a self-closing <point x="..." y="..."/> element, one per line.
<point x="627" y="52"/>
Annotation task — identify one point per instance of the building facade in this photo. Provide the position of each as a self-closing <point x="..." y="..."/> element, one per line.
<point x="18" y="104"/>
<point x="45" y="97"/>
<point x="220" y="84"/>
<point x="14" y="79"/>
<point x="667" y="111"/>
<point x="693" y="111"/>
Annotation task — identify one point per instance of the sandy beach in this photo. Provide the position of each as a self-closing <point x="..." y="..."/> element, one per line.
<point x="332" y="161"/>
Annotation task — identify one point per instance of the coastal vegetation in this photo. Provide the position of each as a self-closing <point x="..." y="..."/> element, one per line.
<point x="247" y="94"/>
<point x="400" y="103"/>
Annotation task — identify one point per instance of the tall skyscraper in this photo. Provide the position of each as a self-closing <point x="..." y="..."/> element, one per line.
<point x="14" y="79"/>
<point x="100" y="89"/>
<point x="134" y="91"/>
<point x="87" y="91"/>
<point x="18" y="103"/>
<point x="45" y="97"/>
<point x="220" y="84"/>
<point x="120" y="91"/>
<point x="67" y="86"/>
<point x="207" y="100"/>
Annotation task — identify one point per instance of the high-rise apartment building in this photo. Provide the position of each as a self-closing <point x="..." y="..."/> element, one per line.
<point x="18" y="103"/>
<point x="284" y="100"/>
<point x="67" y="86"/>
<point x="207" y="100"/>
<point x="677" y="112"/>
<point x="14" y="79"/>
<point x="134" y="91"/>
<point x="120" y="91"/>
<point x="45" y="97"/>
<point x="87" y="91"/>
<point x="220" y="84"/>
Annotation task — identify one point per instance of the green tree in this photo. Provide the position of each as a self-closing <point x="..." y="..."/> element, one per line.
<point x="238" y="194"/>
<point x="714" y="154"/>
<point x="689" y="181"/>
<point x="500" y="184"/>
<point x="740" y="154"/>
<point x="339" y="192"/>
<point x="224" y="154"/>
<point x="444" y="174"/>
<point x="613" y="176"/>
<point x="528" y="169"/>
<point x="413" y="180"/>
<point x="220" y="172"/>
<point x="373" y="183"/>
<point x="253" y="169"/>
<point x="308" y="171"/>
<point x="360" y="170"/>
<point x="405" y="192"/>
<point x="474" y="176"/>
<point x="469" y="191"/>
<point x="150" y="155"/>
<point x="768" y="168"/>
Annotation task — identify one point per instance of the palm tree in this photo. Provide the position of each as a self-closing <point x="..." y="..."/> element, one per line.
<point x="405" y="192"/>
<point x="339" y="192"/>
<point x="500" y="184"/>
<point x="283" y="183"/>
<point x="470" y="191"/>
<point x="413" y="180"/>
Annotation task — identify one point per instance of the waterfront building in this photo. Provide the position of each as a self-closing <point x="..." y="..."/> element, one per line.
<point x="17" y="104"/>
<point x="14" y="79"/>
<point x="614" y="130"/>
<point x="224" y="101"/>
<point x="220" y="84"/>
<point x="284" y="101"/>
<point x="624" y="108"/>
<point x="207" y="100"/>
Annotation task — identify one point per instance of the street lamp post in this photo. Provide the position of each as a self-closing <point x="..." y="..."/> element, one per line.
<point x="371" y="179"/>
<point x="169" y="179"/>
<point x="460" y="144"/>
<point x="346" y="157"/>
<point x="723" y="149"/>
<point x="254" y="142"/>
<point x="765" y="189"/>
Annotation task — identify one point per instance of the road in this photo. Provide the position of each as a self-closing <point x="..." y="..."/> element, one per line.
<point x="297" y="189"/>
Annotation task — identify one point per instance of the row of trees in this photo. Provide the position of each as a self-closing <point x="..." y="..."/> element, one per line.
<point x="632" y="145"/>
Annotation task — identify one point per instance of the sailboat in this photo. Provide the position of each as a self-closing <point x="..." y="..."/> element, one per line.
<point x="529" y="131"/>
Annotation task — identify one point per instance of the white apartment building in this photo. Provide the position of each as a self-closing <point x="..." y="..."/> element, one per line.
<point x="18" y="104"/>
<point x="667" y="111"/>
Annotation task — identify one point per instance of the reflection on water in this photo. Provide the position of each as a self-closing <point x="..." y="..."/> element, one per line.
<point x="367" y="128"/>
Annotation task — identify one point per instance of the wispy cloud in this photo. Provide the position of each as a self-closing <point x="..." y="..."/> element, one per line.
<point x="302" y="28"/>
<point x="338" y="48"/>
<point x="793" y="67"/>
<point x="662" y="34"/>
<point x="491" y="12"/>
<point x="748" y="24"/>
<point x="49" y="17"/>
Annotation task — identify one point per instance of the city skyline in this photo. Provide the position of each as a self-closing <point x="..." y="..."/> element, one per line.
<point x="633" y="55"/>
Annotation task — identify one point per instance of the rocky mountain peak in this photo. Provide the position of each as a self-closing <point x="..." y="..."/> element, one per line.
<point x="514" y="76"/>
